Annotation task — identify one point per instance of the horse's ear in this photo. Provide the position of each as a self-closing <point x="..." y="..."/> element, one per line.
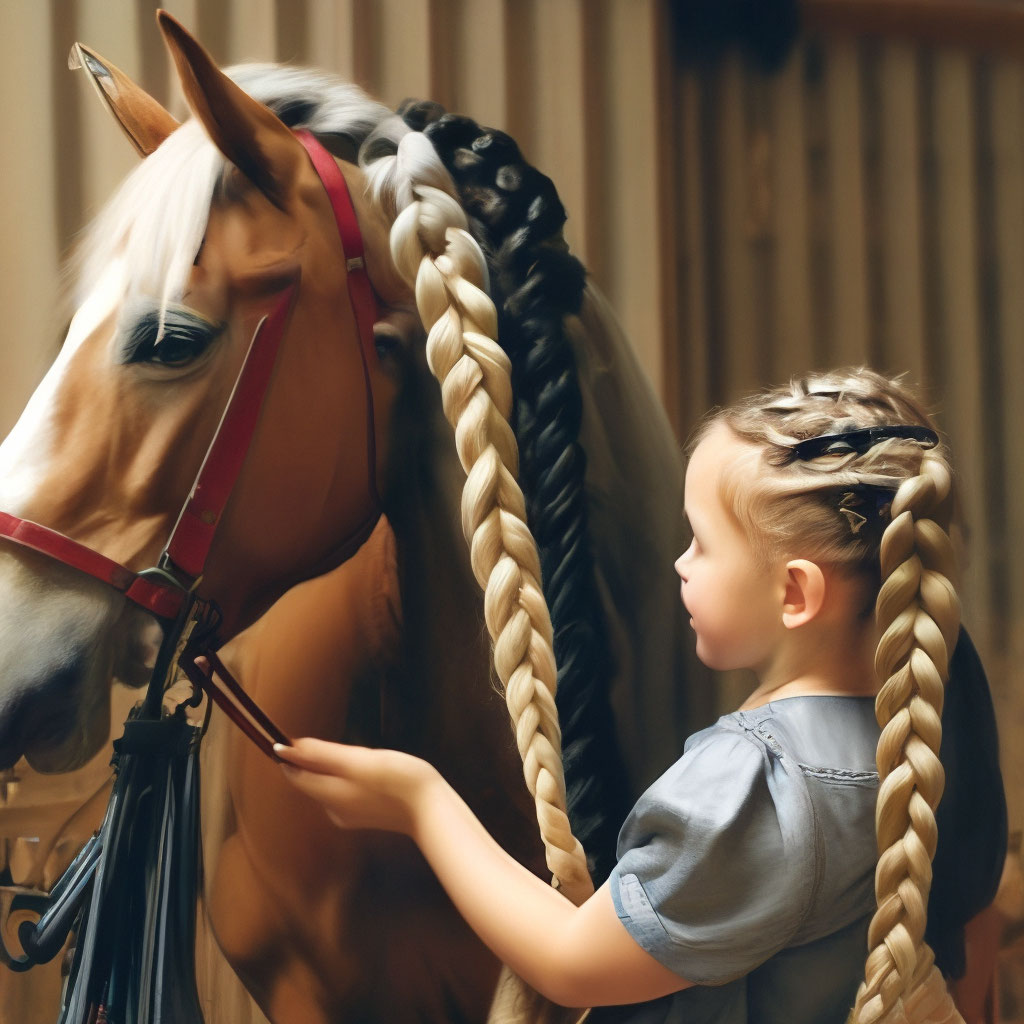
<point x="244" y="130"/>
<point x="144" y="121"/>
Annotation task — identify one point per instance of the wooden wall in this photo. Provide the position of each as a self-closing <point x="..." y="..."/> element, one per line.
<point x="865" y="204"/>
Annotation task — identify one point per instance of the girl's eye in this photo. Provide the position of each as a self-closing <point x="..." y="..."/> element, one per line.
<point x="182" y="337"/>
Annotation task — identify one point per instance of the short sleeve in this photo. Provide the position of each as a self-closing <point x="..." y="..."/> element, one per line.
<point x="717" y="862"/>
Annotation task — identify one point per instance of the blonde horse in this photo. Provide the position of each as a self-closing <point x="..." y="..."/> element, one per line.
<point x="223" y="215"/>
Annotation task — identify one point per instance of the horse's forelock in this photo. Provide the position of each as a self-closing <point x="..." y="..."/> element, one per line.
<point x="155" y="221"/>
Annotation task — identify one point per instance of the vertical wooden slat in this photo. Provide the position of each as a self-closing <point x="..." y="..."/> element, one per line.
<point x="559" y="145"/>
<point x="519" y="36"/>
<point x="903" y="334"/>
<point x="1006" y="118"/>
<point x="632" y="213"/>
<point x="694" y="387"/>
<point x="291" y="30"/>
<point x="66" y="128"/>
<point x="480" y="68"/>
<point x="328" y="30"/>
<point x="154" y="73"/>
<point x="399" y="42"/>
<point x="848" y="248"/>
<point x="252" y="31"/>
<point x="339" y="40"/>
<point x="958" y="313"/>
<point x="793" y="351"/>
<point x="110" y="26"/>
<point x="734" y="270"/>
<point x="28" y="288"/>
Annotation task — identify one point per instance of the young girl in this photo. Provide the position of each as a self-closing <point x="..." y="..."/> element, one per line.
<point x="745" y="880"/>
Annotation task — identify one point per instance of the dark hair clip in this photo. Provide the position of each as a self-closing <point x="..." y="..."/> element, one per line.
<point x="866" y="505"/>
<point x="858" y="441"/>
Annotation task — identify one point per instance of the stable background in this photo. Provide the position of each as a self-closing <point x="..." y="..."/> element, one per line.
<point x="760" y="188"/>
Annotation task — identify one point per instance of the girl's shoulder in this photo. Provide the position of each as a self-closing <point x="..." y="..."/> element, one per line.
<point x="731" y="854"/>
<point x="717" y="861"/>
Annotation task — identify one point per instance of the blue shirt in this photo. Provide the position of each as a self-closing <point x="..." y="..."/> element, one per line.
<point x="748" y="867"/>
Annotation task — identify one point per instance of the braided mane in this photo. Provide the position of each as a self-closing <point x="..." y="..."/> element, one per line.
<point x="516" y="216"/>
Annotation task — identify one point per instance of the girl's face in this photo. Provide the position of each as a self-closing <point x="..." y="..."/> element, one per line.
<point x="734" y="601"/>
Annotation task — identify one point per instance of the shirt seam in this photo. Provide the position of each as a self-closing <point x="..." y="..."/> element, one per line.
<point x="838" y="774"/>
<point x="652" y="917"/>
<point x="760" y="729"/>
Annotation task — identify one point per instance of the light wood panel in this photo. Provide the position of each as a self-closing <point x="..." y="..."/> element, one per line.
<point x="844" y="242"/>
<point x="992" y="26"/>
<point x="866" y="204"/>
<point x="28" y="286"/>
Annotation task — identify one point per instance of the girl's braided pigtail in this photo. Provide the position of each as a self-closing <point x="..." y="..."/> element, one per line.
<point x="918" y="614"/>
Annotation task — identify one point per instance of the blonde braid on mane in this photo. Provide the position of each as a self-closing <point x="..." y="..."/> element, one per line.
<point x="433" y="251"/>
<point x="918" y="615"/>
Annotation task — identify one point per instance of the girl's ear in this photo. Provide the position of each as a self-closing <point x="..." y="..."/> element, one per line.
<point x="805" y="592"/>
<point x="245" y="131"/>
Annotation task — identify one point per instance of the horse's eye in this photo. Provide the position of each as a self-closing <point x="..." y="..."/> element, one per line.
<point x="182" y="337"/>
<point x="178" y="349"/>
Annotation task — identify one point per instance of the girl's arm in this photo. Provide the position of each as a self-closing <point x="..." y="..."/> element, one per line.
<point x="575" y="956"/>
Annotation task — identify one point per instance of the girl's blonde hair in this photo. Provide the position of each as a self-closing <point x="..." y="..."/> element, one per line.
<point x="877" y="502"/>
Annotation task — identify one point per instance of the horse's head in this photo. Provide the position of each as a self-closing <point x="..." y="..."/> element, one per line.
<point x="224" y="216"/>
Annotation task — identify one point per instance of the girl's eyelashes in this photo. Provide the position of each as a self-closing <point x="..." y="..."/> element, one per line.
<point x="176" y="339"/>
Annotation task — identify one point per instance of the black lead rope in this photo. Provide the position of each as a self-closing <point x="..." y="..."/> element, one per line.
<point x="130" y="896"/>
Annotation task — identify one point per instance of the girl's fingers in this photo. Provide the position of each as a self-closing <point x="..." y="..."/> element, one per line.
<point x="365" y="787"/>
<point x="315" y="755"/>
<point x="352" y="801"/>
<point x="322" y="788"/>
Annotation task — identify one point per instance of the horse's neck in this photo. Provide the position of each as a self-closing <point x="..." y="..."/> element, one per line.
<point x="309" y="659"/>
<point x="448" y="708"/>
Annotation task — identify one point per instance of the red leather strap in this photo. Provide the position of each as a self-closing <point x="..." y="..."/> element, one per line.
<point x="193" y="533"/>
<point x="192" y="536"/>
<point x="163" y="599"/>
<point x="360" y="290"/>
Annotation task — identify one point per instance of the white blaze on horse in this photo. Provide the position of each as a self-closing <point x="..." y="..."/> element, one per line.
<point x="225" y="215"/>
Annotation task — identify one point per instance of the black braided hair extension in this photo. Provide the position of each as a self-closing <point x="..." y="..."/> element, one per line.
<point x="516" y="217"/>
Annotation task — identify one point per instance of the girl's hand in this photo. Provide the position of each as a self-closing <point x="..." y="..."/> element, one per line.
<point x="576" y="956"/>
<point x="360" y="787"/>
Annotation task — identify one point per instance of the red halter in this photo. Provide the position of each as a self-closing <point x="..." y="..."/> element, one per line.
<point x="166" y="589"/>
